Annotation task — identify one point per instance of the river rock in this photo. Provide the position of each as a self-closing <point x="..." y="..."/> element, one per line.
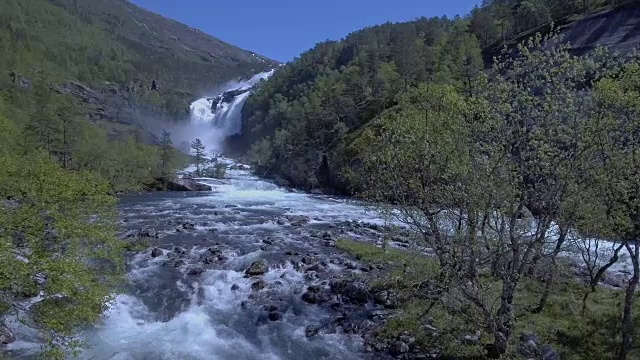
<point x="549" y="353"/>
<point x="354" y="290"/>
<point x="207" y="260"/>
<point x="187" y="225"/>
<point x="214" y="251"/>
<point x="257" y="268"/>
<point x="6" y="336"/>
<point x="275" y="316"/>
<point x="529" y="336"/>
<point x="315" y="295"/>
<point x="235" y="287"/>
<point x="258" y="285"/>
<point x="166" y="183"/>
<point x="613" y="279"/>
<point x="311" y="331"/>
<point x="528" y="349"/>
<point x="399" y="348"/>
<point x="470" y="340"/>
<point x="195" y="271"/>
<point x="156" y="253"/>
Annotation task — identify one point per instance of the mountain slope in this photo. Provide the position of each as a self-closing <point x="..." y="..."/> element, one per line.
<point x="160" y="44"/>
<point x="134" y="63"/>
<point x="301" y="124"/>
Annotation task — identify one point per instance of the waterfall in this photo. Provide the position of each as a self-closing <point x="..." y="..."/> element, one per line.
<point x="213" y="119"/>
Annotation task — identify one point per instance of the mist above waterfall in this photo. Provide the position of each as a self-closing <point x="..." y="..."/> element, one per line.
<point x="214" y="118"/>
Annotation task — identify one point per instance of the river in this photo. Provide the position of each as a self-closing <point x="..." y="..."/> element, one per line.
<point x="169" y="314"/>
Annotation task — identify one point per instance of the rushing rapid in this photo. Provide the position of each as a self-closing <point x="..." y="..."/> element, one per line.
<point x="218" y="314"/>
<point x="188" y="295"/>
<point x="215" y="118"/>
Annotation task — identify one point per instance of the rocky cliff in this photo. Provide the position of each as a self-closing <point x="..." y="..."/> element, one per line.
<point x="618" y="29"/>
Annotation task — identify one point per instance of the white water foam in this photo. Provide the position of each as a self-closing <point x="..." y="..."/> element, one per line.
<point x="212" y="126"/>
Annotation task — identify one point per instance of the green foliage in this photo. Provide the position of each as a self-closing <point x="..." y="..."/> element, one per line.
<point x="166" y="149"/>
<point x="58" y="226"/>
<point x="574" y="335"/>
<point x="485" y="176"/>
<point x="300" y="124"/>
<point x="198" y="152"/>
<point x="94" y="41"/>
<point x="297" y="119"/>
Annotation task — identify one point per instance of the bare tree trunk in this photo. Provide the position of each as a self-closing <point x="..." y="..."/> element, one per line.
<point x="596" y="279"/>
<point x="552" y="271"/>
<point x="504" y="319"/>
<point x="629" y="299"/>
<point x="64" y="145"/>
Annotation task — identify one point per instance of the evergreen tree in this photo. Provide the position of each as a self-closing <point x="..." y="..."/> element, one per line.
<point x="166" y="149"/>
<point x="198" y="151"/>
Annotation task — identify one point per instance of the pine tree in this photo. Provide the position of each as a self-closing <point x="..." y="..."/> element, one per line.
<point x="198" y="148"/>
<point x="167" y="150"/>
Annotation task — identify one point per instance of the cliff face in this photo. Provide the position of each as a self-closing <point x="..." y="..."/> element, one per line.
<point x="617" y="29"/>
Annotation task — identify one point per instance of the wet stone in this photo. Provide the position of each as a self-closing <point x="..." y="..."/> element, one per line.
<point x="6" y="336"/>
<point x="207" y="260"/>
<point x="257" y="268"/>
<point x="258" y="285"/>
<point x="311" y="331"/>
<point x="275" y="316"/>
<point x="235" y="287"/>
<point x="195" y="271"/>
<point x="399" y="347"/>
<point x="156" y="253"/>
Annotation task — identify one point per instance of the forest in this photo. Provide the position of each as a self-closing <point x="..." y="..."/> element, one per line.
<point x="503" y="168"/>
<point x="62" y="167"/>
<point x="300" y="122"/>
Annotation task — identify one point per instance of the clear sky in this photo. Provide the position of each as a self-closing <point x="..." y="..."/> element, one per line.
<point x="282" y="29"/>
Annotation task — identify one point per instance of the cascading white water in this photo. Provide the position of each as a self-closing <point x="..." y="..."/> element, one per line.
<point x="212" y="119"/>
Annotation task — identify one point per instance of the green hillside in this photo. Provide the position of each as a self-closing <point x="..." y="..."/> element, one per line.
<point x="301" y="122"/>
<point x="77" y="78"/>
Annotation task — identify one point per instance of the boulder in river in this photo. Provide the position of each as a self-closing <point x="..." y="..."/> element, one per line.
<point x="315" y="295"/>
<point x="169" y="184"/>
<point x="258" y="285"/>
<point x="354" y="290"/>
<point x="156" y="252"/>
<point x="195" y="271"/>
<point x="257" y="268"/>
<point x="399" y="348"/>
<point x="6" y="336"/>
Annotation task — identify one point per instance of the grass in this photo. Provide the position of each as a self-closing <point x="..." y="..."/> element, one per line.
<point x="592" y="336"/>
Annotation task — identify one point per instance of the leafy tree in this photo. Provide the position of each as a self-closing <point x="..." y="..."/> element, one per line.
<point x="198" y="152"/>
<point x="313" y="107"/>
<point x="618" y="177"/>
<point x="57" y="240"/>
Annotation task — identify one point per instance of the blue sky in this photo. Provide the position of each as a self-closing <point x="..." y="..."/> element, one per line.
<point x="282" y="29"/>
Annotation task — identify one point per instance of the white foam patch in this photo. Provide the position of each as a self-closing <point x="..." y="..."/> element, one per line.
<point x="190" y="335"/>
